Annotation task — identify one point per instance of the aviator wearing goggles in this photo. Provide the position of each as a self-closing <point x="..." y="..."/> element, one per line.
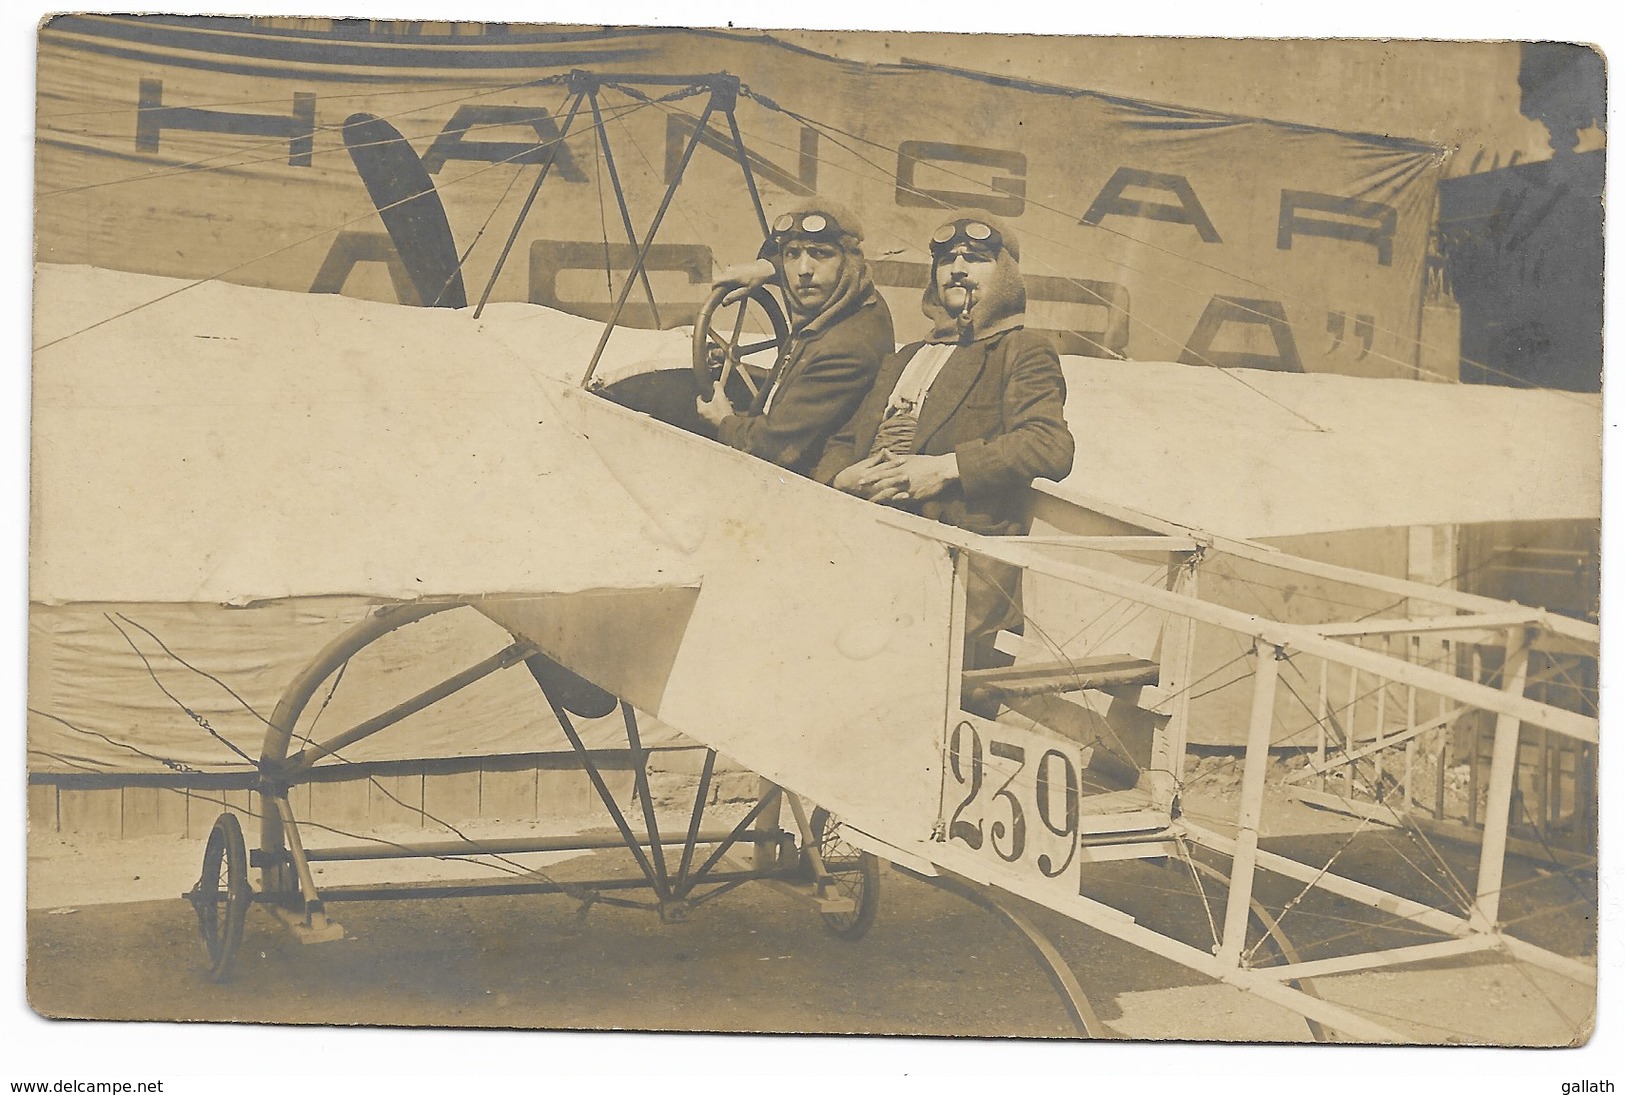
<point x="810" y="250"/>
<point x="813" y="226"/>
<point x="972" y="235"/>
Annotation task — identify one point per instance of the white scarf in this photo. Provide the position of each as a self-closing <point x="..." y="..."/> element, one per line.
<point x="902" y="418"/>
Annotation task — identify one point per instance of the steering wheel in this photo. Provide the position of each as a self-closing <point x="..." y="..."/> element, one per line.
<point x="718" y="331"/>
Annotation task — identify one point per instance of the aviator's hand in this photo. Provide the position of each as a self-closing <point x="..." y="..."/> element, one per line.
<point x="918" y="478"/>
<point x="715" y="409"/>
<point x="744" y="278"/>
<point x="889" y="496"/>
<point x="863" y="477"/>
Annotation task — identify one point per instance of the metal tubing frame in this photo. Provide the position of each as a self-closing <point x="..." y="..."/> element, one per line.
<point x="750" y="179"/>
<point x="281" y="725"/>
<point x="530" y="199"/>
<point x="309" y="895"/>
<point x="769" y="820"/>
<point x="306" y="759"/>
<point x="653" y="865"/>
<point x="701" y="794"/>
<point x="809" y="843"/>
<point x="285" y="864"/>
<point x="648" y="241"/>
<point x="640" y="783"/>
<point x="657" y="882"/>
<point x="620" y="199"/>
<point x="724" y="90"/>
<point x="771" y="798"/>
<point x="515" y="846"/>
<point x="393" y="891"/>
<point x="654" y="879"/>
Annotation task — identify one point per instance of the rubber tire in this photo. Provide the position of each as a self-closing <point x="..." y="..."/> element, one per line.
<point x="858" y="876"/>
<point x="221" y="913"/>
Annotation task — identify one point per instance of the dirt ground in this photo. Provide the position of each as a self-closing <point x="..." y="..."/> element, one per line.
<point x="109" y="938"/>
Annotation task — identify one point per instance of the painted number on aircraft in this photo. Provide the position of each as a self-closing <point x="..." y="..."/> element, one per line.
<point x="1013" y="795"/>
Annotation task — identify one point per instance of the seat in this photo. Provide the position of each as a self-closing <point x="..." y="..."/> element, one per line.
<point x="1109" y="671"/>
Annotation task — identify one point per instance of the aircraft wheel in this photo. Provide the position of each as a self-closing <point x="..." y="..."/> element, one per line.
<point x="856" y="874"/>
<point x="222" y="895"/>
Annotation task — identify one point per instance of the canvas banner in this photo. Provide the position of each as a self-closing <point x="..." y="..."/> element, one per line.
<point x="214" y="149"/>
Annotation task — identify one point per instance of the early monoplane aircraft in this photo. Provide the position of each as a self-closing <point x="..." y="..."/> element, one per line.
<point x="692" y="596"/>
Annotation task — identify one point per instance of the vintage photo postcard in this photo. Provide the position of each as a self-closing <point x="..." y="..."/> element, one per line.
<point x="585" y="528"/>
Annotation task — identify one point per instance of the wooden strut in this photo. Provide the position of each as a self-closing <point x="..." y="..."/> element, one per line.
<point x="1400" y="907"/>
<point x="1120" y="925"/>
<point x="1254" y="767"/>
<point x="1322" y="765"/>
<point x="1503" y="770"/>
<point x="1553" y="624"/>
<point x="1294" y="637"/>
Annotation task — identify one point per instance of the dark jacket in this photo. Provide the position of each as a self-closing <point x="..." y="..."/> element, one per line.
<point x="820" y="380"/>
<point x="999" y="405"/>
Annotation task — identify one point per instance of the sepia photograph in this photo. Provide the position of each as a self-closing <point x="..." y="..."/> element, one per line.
<point x="676" y="527"/>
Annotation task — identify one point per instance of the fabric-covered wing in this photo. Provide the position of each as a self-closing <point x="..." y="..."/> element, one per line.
<point x="234" y="445"/>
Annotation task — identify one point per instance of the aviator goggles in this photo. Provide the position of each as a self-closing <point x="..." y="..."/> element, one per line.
<point x="973" y="234"/>
<point x="816" y="226"/>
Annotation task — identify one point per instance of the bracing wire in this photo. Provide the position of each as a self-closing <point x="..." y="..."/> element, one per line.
<point x="511" y="866"/>
<point x="328" y="230"/>
<point x="173" y="765"/>
<point x="830" y="128"/>
<point x="191" y="714"/>
<point x="209" y="163"/>
<point x="1202" y="359"/>
<point x="770" y="105"/>
<point x="1043" y="636"/>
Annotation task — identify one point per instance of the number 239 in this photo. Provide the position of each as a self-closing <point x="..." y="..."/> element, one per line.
<point x="1008" y="838"/>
